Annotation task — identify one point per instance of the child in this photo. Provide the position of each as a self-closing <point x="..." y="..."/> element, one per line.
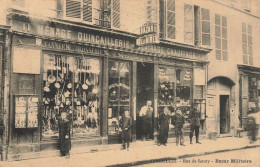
<point x="64" y="135"/>
<point x="126" y="130"/>
<point x="178" y="123"/>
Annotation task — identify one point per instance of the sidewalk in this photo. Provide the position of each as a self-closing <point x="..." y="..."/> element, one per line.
<point x="140" y="153"/>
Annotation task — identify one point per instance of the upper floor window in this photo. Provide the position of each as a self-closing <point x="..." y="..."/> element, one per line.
<point x="221" y="37"/>
<point x="170" y="19"/>
<point x="247" y="43"/>
<point x="79" y="9"/>
<point x="196" y="25"/>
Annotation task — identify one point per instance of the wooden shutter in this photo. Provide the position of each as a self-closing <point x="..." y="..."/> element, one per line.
<point x="87" y="10"/>
<point x="188" y="23"/>
<point x="224" y="38"/>
<point x="205" y="27"/>
<point x="249" y="44"/>
<point x="73" y="8"/>
<point x="149" y="10"/>
<point x="20" y="3"/>
<point x="218" y="36"/>
<point x="116" y="13"/>
<point x="170" y="17"/>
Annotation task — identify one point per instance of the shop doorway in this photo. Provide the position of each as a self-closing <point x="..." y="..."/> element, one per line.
<point x="145" y="91"/>
<point x="224" y="114"/>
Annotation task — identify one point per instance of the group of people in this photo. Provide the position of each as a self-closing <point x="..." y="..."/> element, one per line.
<point x="146" y="115"/>
<point x="178" y="121"/>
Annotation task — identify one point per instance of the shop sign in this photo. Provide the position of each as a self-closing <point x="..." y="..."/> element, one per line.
<point x="172" y="52"/>
<point x="147" y="39"/>
<point x="199" y="76"/>
<point x="77" y="36"/>
<point x="174" y="62"/>
<point x="70" y="47"/>
<point x="129" y="56"/>
<point x="26" y="60"/>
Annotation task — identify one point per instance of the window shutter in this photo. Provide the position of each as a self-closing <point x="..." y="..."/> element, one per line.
<point x="20" y="3"/>
<point x="87" y="10"/>
<point x="205" y="28"/>
<point x="149" y="10"/>
<point x="73" y="8"/>
<point x="170" y="17"/>
<point x="188" y="23"/>
<point x="116" y="13"/>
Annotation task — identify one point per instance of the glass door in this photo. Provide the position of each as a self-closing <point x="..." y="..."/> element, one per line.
<point x="119" y="94"/>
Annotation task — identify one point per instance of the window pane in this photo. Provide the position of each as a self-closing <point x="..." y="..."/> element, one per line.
<point x="244" y="38"/>
<point x="171" y="32"/>
<point x="217" y="31"/>
<point x="249" y="29"/>
<point x="86" y="115"/>
<point x="225" y="55"/>
<point x="170" y="18"/>
<point x="218" y="54"/>
<point x="205" y="39"/>
<point x="217" y="19"/>
<point x="224" y="32"/>
<point x="250" y="40"/>
<point x="218" y="43"/>
<point x="188" y="12"/>
<point x="224" y="21"/>
<point x="245" y="59"/>
<point x="205" y="27"/>
<point x="171" y="5"/>
<point x="224" y="44"/>
<point x="250" y="50"/>
<point x="244" y="48"/>
<point x="205" y="14"/>
<point x="244" y="28"/>
<point x="250" y="60"/>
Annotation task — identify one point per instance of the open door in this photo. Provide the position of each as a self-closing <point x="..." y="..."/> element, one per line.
<point x="145" y="90"/>
<point x="224" y="114"/>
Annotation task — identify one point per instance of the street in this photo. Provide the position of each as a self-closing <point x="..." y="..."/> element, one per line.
<point x="244" y="157"/>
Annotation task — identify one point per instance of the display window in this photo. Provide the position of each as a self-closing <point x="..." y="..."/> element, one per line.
<point x="254" y="94"/>
<point x="174" y="90"/>
<point x="119" y="94"/>
<point x="71" y="84"/>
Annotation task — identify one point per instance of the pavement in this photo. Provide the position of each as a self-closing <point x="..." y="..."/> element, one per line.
<point x="140" y="153"/>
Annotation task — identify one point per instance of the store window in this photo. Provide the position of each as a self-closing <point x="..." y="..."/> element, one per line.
<point x="183" y="91"/>
<point x="254" y="94"/>
<point x="71" y="84"/>
<point x="119" y="94"/>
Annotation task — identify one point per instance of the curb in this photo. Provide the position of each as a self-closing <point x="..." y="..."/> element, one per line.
<point x="165" y="159"/>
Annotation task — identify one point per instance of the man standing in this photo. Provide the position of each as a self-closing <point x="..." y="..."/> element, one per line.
<point x="146" y="115"/>
<point x="194" y="117"/>
<point x="163" y="126"/>
<point x="178" y="122"/>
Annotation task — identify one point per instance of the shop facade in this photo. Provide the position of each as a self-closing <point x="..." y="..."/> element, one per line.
<point x="94" y="76"/>
<point x="249" y="92"/>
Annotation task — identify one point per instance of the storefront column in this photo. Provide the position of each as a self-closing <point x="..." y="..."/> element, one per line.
<point x="104" y="100"/>
<point x="244" y="102"/>
<point x="155" y="101"/>
<point x="133" y="114"/>
<point x="6" y="93"/>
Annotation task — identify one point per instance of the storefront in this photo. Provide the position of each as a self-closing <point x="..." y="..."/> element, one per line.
<point x="249" y="90"/>
<point x="94" y="75"/>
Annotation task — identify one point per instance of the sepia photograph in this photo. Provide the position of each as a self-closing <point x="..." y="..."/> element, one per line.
<point x="146" y="83"/>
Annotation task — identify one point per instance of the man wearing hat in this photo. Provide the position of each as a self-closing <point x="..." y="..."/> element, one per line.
<point x="178" y="122"/>
<point x="194" y="117"/>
